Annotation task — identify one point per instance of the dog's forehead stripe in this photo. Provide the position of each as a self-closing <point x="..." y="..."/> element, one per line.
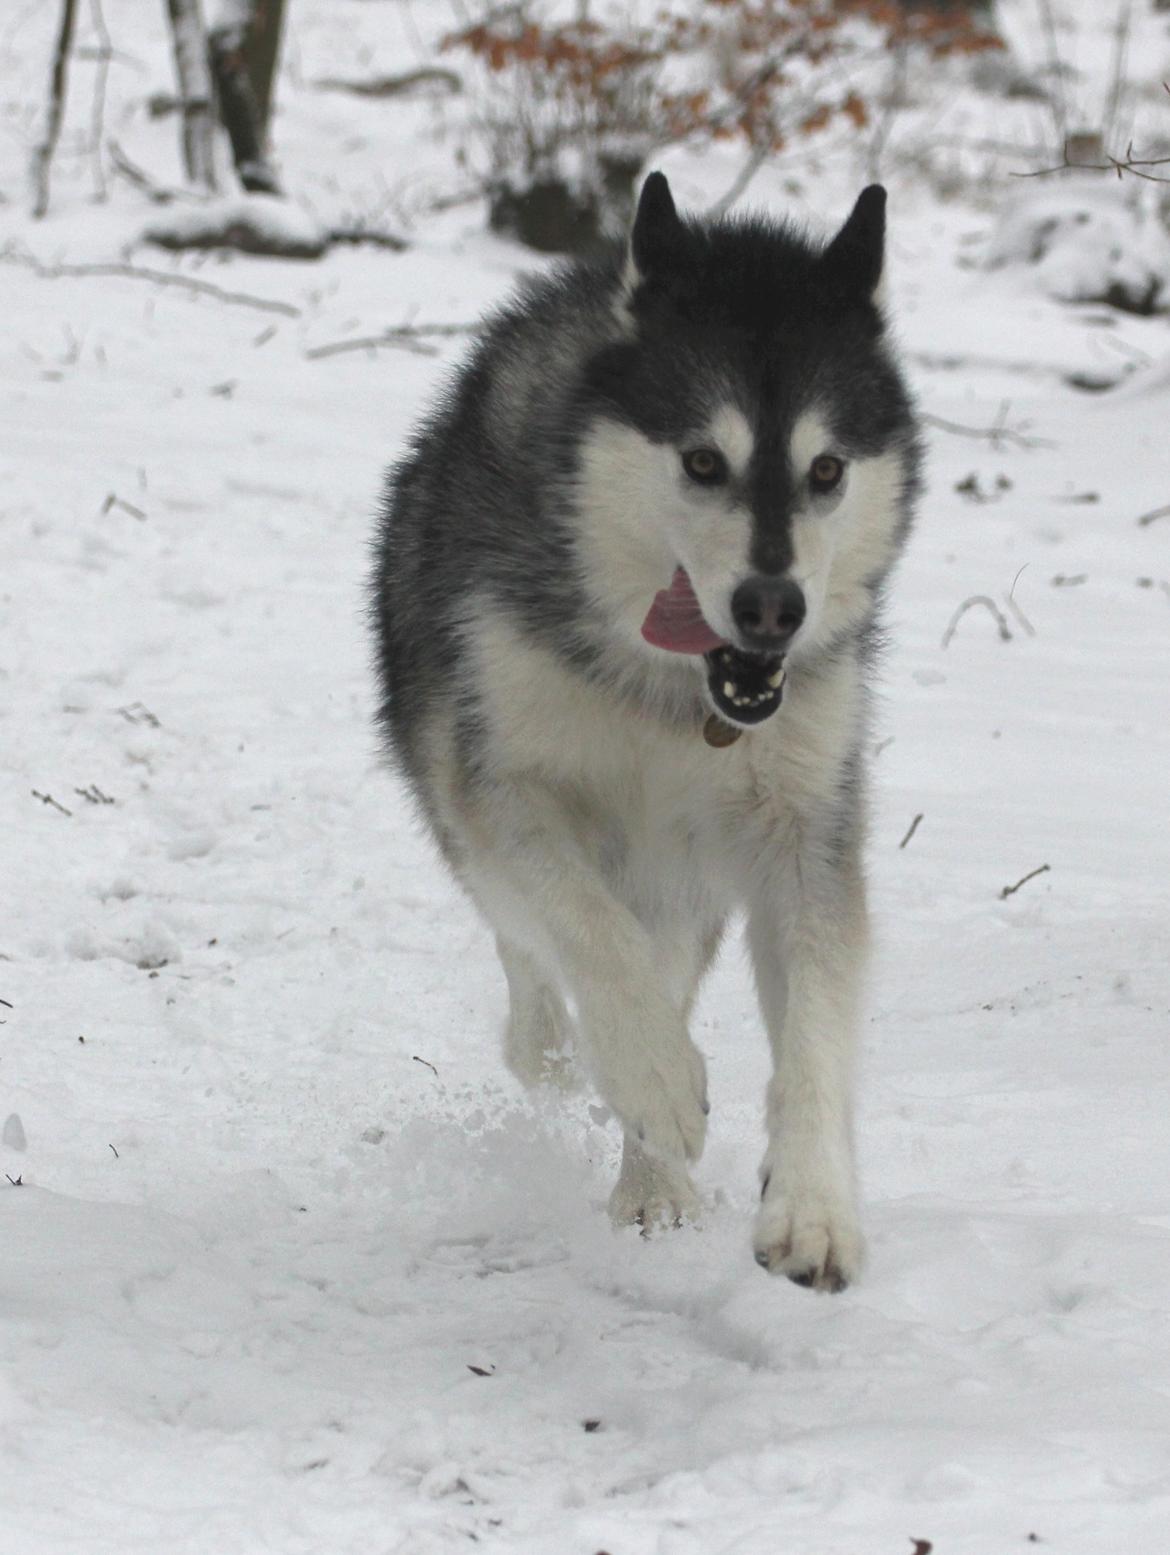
<point x="810" y="436"/>
<point x="731" y="434"/>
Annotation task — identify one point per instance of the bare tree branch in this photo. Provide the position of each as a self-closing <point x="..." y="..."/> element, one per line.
<point x="133" y="174"/>
<point x="1119" y="165"/>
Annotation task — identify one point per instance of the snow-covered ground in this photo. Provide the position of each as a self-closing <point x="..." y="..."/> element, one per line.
<point x="293" y="1265"/>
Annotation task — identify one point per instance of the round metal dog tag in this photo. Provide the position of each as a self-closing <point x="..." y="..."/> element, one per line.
<point x="719" y="734"/>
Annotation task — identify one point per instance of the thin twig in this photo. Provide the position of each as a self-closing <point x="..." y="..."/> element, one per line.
<point x="1119" y="165"/>
<point x="94" y="795"/>
<point x="1019" y="615"/>
<point x="158" y="193"/>
<point x="137" y="713"/>
<point x="49" y="800"/>
<point x="913" y="828"/>
<point x="428" y="1063"/>
<point x="159" y="277"/>
<point x="1016" y="609"/>
<point x="989" y="604"/>
<point x="997" y="434"/>
<point x="1150" y="518"/>
<point x="114" y="501"/>
<point x="1010" y="890"/>
<point x="402" y="335"/>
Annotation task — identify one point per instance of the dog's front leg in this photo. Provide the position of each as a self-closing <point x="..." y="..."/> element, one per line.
<point x="808" y="941"/>
<point x="531" y="872"/>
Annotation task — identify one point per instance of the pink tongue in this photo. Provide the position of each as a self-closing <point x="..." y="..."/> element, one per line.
<point x="675" y="620"/>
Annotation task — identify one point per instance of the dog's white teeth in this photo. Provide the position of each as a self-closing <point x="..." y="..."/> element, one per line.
<point x="776" y="678"/>
<point x="729" y="690"/>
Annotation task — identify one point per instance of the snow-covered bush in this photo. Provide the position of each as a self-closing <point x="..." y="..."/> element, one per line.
<point x="1089" y="239"/>
<point x="569" y="109"/>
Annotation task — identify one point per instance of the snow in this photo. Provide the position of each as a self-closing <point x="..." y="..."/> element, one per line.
<point x="1090" y="241"/>
<point x="255" y="223"/>
<point x="292" y="1264"/>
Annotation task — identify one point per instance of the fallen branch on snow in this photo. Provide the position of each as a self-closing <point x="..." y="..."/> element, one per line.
<point x="1150" y="518"/>
<point x="159" y="277"/>
<point x="408" y="84"/>
<point x="49" y="800"/>
<point x="914" y="824"/>
<point x="997" y="434"/>
<point x="407" y="337"/>
<point x="988" y="603"/>
<point x="1010" y="890"/>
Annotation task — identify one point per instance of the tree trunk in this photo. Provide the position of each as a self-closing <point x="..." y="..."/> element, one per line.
<point x="194" y="77"/>
<point x="43" y="154"/>
<point x="253" y="27"/>
<point x="244" y="45"/>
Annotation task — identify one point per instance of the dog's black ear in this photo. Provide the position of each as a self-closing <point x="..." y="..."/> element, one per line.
<point x="852" y="263"/>
<point x="658" y="237"/>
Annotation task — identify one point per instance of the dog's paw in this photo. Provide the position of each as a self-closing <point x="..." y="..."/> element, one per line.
<point x="650" y="1194"/>
<point x="811" y="1237"/>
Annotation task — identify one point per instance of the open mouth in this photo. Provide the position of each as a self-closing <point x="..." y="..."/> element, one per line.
<point x="745" y="688"/>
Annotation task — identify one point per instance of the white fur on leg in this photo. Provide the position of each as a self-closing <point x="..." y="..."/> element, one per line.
<point x="650" y="1194"/>
<point x="648" y="1069"/>
<point x="809" y="957"/>
<point x="536" y="1038"/>
<point x="540" y="889"/>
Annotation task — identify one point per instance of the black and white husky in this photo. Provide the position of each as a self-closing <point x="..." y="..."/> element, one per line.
<point x="627" y="591"/>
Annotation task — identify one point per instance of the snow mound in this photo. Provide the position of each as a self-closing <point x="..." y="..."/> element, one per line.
<point x="254" y="224"/>
<point x="1090" y="241"/>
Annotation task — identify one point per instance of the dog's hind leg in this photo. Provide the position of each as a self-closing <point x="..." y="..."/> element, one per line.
<point x="536" y="1037"/>
<point x="807" y="931"/>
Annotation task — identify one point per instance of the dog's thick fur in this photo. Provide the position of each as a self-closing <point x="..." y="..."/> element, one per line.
<point x="559" y="756"/>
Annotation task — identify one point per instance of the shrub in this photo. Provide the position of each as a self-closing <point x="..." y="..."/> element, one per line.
<point x="571" y="109"/>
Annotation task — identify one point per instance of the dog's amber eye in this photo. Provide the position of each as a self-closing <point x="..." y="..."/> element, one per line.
<point x="705" y="465"/>
<point x="825" y="472"/>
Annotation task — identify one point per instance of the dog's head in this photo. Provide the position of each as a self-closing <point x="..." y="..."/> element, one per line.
<point x="751" y="453"/>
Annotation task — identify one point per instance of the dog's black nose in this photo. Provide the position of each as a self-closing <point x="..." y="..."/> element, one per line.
<point x="768" y="611"/>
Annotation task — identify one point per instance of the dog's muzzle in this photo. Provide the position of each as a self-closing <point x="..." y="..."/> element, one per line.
<point x="746" y="688"/>
<point x="746" y="684"/>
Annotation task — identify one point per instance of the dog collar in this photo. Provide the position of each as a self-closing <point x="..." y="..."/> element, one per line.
<point x="719" y="734"/>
